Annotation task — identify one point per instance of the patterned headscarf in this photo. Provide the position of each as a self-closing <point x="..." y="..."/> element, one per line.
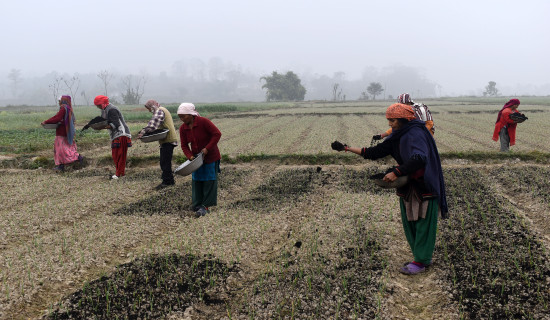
<point x="152" y="104"/>
<point x="68" y="120"/>
<point x="512" y="102"/>
<point x="405" y="98"/>
<point x="399" y="110"/>
<point x="101" y="101"/>
<point x="187" y="108"/>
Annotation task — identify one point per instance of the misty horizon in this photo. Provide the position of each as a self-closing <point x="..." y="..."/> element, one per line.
<point x="456" y="48"/>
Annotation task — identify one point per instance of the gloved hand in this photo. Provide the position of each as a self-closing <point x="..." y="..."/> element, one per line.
<point x="377" y="137"/>
<point x="85" y="127"/>
<point x="338" y="146"/>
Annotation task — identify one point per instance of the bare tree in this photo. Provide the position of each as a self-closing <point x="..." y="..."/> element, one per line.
<point x="83" y="94"/>
<point x="55" y="88"/>
<point x="133" y="88"/>
<point x="72" y="84"/>
<point x="15" y="77"/>
<point x="106" y="78"/>
<point x="335" y="91"/>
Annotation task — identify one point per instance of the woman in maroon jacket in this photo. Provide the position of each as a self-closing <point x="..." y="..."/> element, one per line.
<point x="64" y="149"/>
<point x="198" y="134"/>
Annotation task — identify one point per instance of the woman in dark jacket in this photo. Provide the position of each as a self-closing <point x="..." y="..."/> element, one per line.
<point x="423" y="197"/>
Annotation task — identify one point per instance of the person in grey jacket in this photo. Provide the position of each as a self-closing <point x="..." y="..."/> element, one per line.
<point x="121" y="139"/>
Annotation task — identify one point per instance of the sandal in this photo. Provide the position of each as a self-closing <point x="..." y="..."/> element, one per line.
<point x="425" y="264"/>
<point x="412" y="269"/>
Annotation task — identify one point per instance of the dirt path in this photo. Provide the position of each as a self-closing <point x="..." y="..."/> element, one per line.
<point x="414" y="297"/>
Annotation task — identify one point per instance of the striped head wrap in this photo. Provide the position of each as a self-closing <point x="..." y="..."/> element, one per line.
<point x="400" y="111"/>
<point x="405" y="98"/>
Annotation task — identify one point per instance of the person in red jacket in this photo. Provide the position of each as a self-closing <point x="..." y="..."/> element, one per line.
<point x="505" y="128"/>
<point x="199" y="134"/>
<point x="64" y="149"/>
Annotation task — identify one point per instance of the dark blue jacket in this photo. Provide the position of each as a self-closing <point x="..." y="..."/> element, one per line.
<point x="414" y="149"/>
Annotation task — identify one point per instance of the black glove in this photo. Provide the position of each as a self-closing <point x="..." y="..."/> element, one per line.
<point x="85" y="127"/>
<point x="338" y="146"/>
<point x="377" y="137"/>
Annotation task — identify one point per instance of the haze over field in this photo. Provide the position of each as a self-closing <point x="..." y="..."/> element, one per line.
<point x="218" y="50"/>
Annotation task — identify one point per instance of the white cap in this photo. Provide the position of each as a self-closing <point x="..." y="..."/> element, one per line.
<point x="187" y="108"/>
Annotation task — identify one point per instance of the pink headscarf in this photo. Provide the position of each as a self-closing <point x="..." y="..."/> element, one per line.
<point x="188" y="108"/>
<point x="512" y="102"/>
<point x="101" y="101"/>
<point x="152" y="104"/>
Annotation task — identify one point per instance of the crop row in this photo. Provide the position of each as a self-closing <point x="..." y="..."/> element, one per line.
<point x="498" y="269"/>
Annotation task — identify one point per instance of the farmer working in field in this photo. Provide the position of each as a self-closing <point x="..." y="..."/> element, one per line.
<point x="162" y="119"/>
<point x="121" y="139"/>
<point x="505" y="127"/>
<point x="422" y="198"/>
<point x="421" y="112"/>
<point x="64" y="149"/>
<point x="199" y="134"/>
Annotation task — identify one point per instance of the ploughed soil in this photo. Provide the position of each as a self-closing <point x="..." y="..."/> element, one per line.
<point x="324" y="242"/>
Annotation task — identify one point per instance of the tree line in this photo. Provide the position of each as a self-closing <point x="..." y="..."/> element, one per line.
<point x="214" y="83"/>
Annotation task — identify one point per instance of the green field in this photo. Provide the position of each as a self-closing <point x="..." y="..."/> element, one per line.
<point x="307" y="128"/>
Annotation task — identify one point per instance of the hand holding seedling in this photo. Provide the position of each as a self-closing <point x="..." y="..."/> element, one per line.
<point x="338" y="146"/>
<point x="390" y="177"/>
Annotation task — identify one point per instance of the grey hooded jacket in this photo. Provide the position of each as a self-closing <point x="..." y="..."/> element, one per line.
<point x="116" y="122"/>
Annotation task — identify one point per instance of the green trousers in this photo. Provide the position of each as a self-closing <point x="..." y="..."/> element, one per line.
<point x="204" y="193"/>
<point x="421" y="233"/>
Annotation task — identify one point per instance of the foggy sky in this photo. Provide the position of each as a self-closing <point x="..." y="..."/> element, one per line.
<point x="460" y="45"/>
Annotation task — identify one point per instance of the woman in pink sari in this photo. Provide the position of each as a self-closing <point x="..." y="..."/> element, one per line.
<point x="64" y="150"/>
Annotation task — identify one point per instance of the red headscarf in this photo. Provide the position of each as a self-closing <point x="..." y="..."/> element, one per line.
<point x="101" y="101"/>
<point x="399" y="110"/>
<point x="512" y="102"/>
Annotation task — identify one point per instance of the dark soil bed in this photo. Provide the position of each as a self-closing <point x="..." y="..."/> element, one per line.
<point x="498" y="269"/>
<point x="147" y="288"/>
